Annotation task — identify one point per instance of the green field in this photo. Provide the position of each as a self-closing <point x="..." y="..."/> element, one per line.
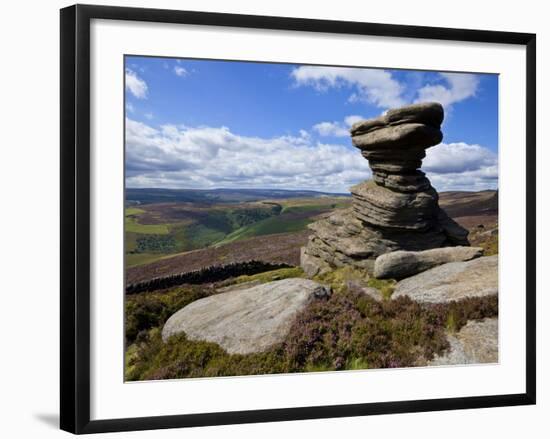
<point x="269" y="226"/>
<point x="133" y="211"/>
<point x="155" y="231"/>
<point x="294" y="217"/>
<point x="131" y="223"/>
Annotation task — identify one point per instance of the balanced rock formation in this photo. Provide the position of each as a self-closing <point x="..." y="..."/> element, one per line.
<point x="398" y="209"/>
<point x="247" y="320"/>
<point x="401" y="263"/>
<point x="452" y="281"/>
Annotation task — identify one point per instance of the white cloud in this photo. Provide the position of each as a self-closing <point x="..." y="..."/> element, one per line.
<point x="481" y="179"/>
<point x="461" y="166"/>
<point x="331" y="129"/>
<point x="129" y="107"/>
<point x="460" y="86"/>
<point x="337" y="129"/>
<point x="354" y="118"/>
<point x="180" y="71"/>
<point x="136" y="85"/>
<point x="374" y="86"/>
<point x="206" y="157"/>
<point x="149" y="115"/>
<point x="458" y="157"/>
<point x="378" y="87"/>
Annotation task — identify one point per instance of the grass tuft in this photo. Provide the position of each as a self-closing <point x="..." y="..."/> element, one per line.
<point x="269" y="276"/>
<point x="490" y="246"/>
<point x="341" y="278"/>
<point x="385" y="286"/>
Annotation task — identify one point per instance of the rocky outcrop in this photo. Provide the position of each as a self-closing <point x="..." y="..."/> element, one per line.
<point x="398" y="209"/>
<point x="401" y="264"/>
<point x="452" y="281"/>
<point x="247" y="320"/>
<point x="475" y="343"/>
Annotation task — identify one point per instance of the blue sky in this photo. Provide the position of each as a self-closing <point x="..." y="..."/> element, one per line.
<point x="209" y="124"/>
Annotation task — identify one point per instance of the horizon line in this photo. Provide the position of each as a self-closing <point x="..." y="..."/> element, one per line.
<point x="279" y="189"/>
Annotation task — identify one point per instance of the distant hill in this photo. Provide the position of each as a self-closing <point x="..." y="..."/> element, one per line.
<point x="136" y="196"/>
<point x="459" y="204"/>
<point x="168" y="233"/>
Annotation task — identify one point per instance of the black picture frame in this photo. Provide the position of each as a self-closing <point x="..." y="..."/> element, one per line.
<point x="75" y="217"/>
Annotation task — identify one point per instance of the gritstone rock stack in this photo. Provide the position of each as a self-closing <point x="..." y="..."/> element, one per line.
<point x="398" y="209"/>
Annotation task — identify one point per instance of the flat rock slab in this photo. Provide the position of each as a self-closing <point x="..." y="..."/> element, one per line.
<point x="452" y="281"/>
<point x="401" y="264"/>
<point x="248" y="320"/>
<point x="475" y="343"/>
<point x="241" y="286"/>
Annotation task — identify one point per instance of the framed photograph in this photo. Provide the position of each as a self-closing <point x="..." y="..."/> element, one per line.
<point x="268" y="219"/>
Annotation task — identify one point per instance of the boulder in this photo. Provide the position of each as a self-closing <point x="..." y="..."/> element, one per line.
<point x="452" y="281"/>
<point x="401" y="263"/>
<point x="428" y="113"/>
<point x="475" y="343"/>
<point x="238" y="286"/>
<point x="248" y="320"/>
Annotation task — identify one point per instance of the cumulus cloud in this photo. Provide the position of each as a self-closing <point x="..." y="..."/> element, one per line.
<point x="180" y="71"/>
<point x="461" y="166"/>
<point x="337" y="129"/>
<point x="136" y="85"/>
<point x="459" y="86"/>
<point x="354" y="118"/>
<point x="380" y="88"/>
<point x="331" y="129"/>
<point x="211" y="157"/>
<point x="458" y="157"/>
<point x="481" y="179"/>
<point x="206" y="157"/>
<point x="374" y="86"/>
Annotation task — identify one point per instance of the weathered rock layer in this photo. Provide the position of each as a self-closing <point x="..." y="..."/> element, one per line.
<point x="398" y="209"/>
